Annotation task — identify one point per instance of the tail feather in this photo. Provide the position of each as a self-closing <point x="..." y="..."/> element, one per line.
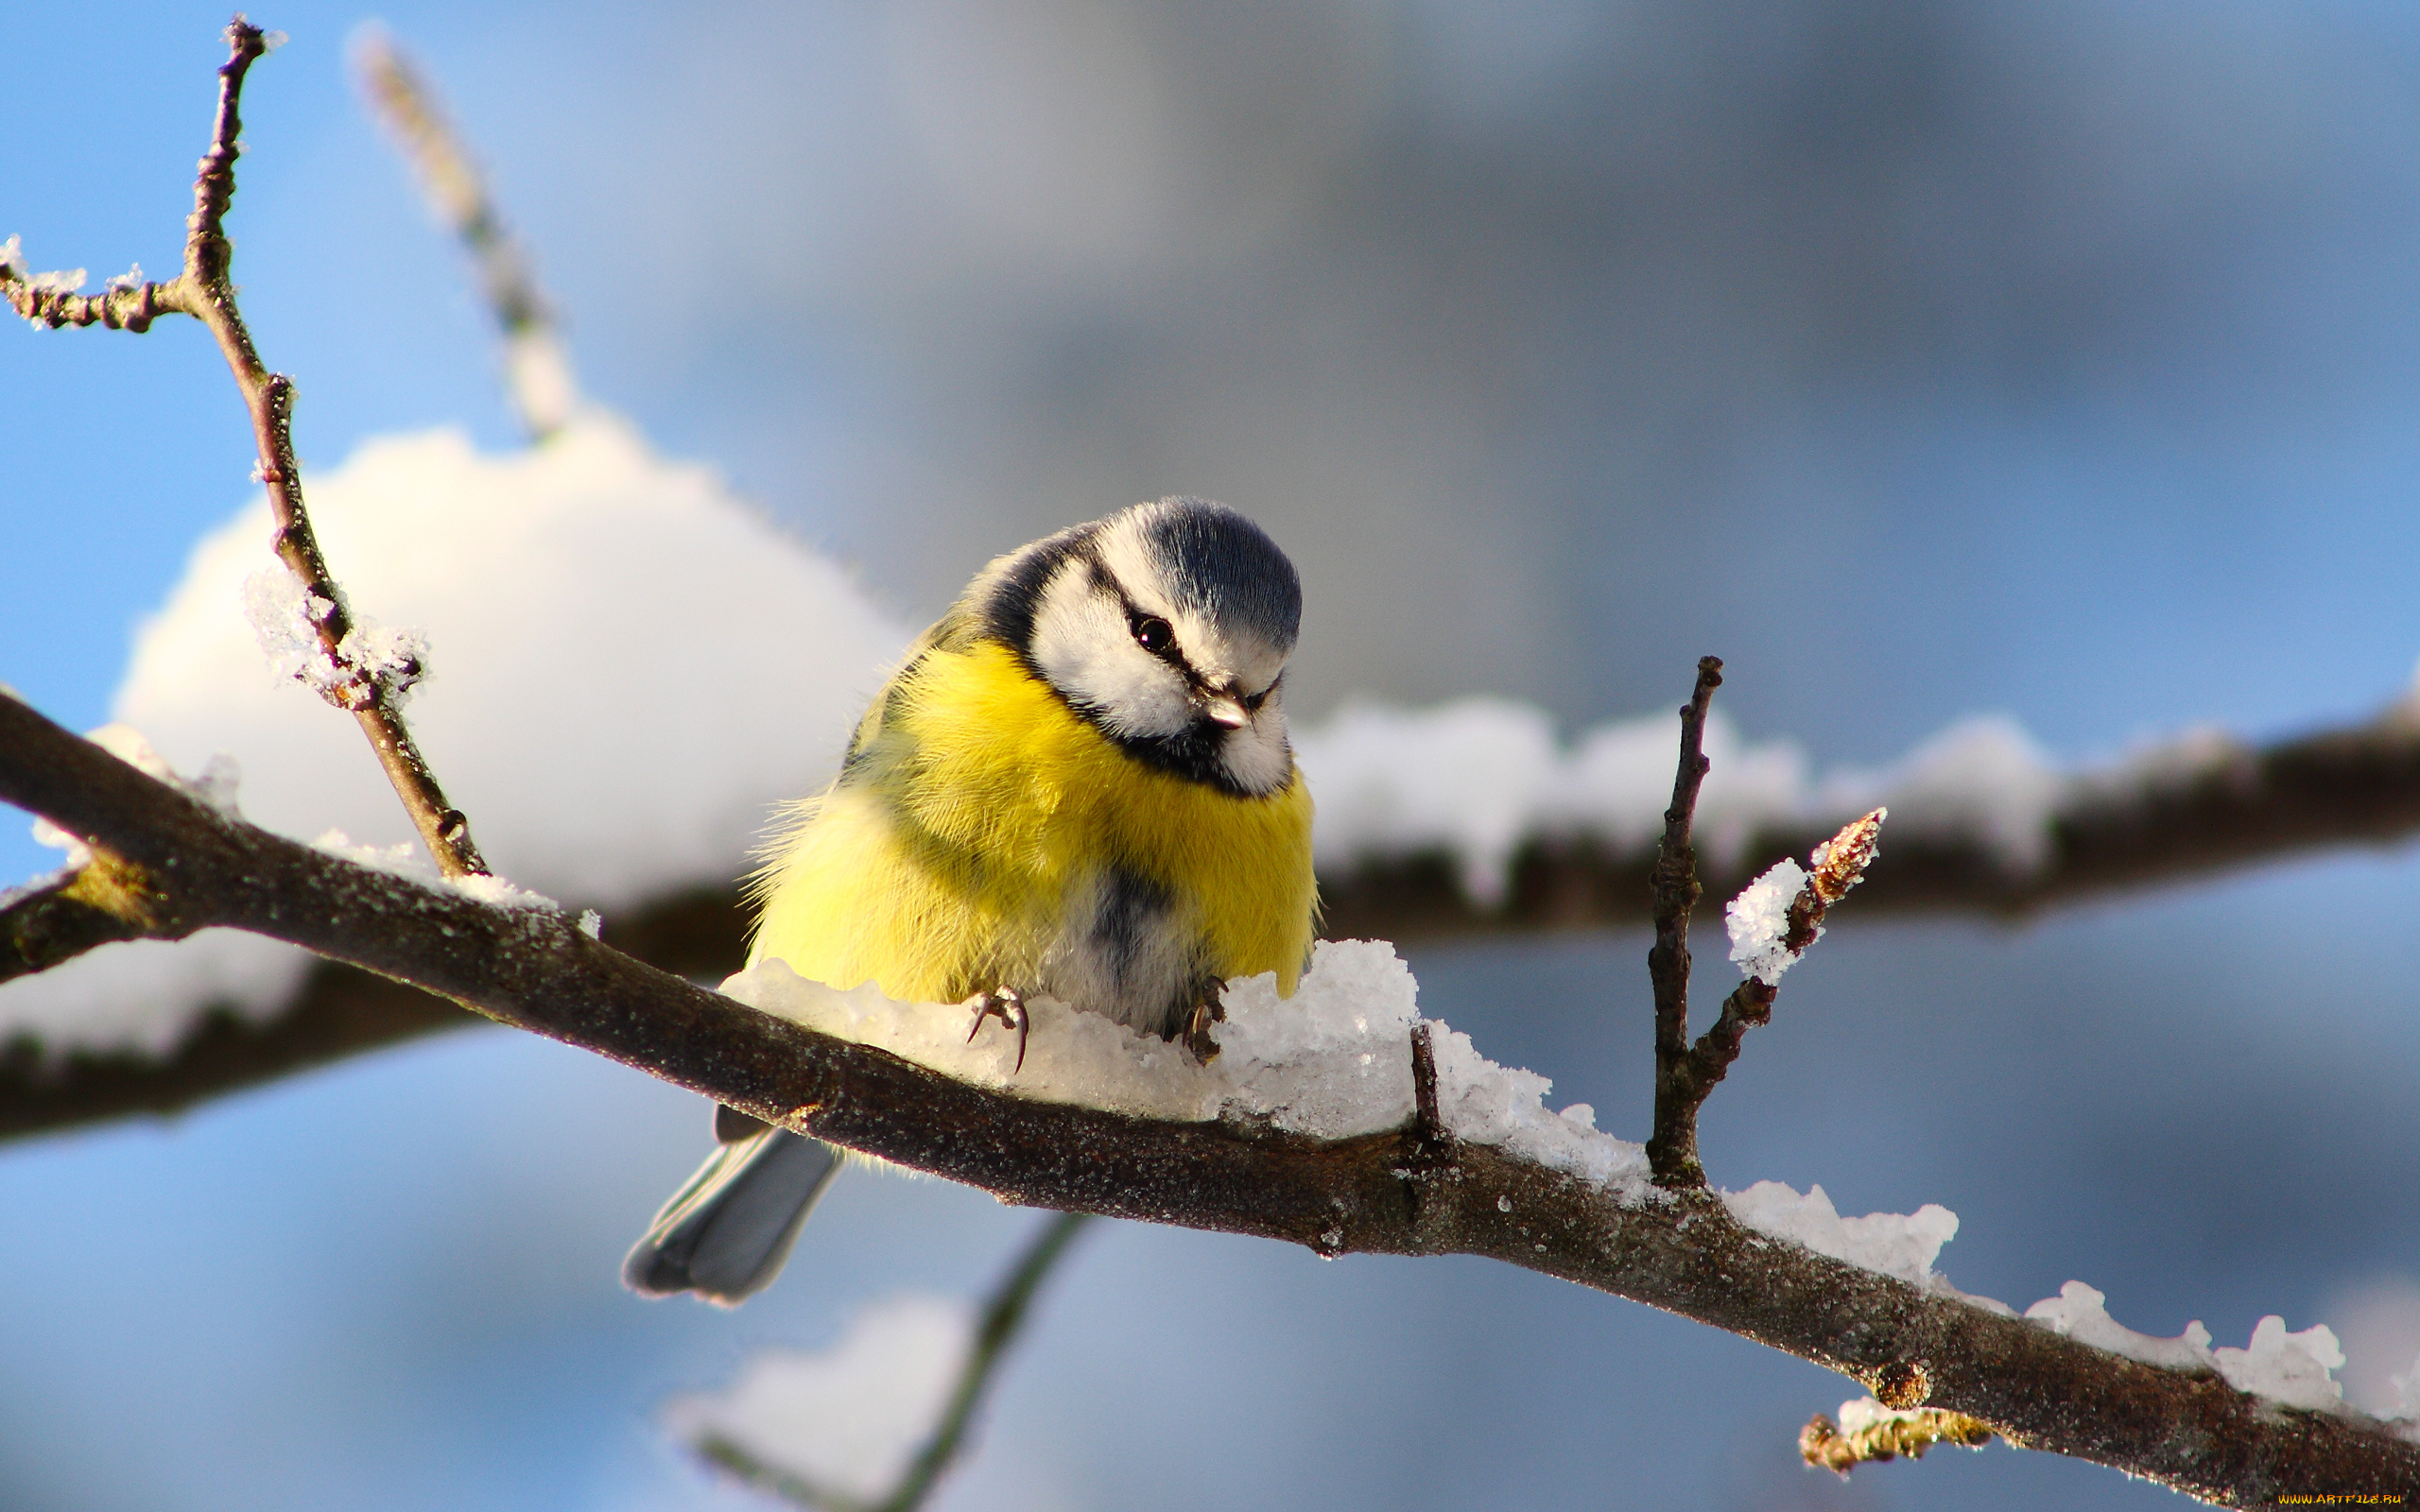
<point x="725" y="1234"/>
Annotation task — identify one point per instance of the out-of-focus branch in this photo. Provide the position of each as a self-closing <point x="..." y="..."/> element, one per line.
<point x="1684" y="1253"/>
<point x="339" y="1011"/>
<point x="537" y="375"/>
<point x="1004" y="1315"/>
<point x="205" y="291"/>
<point x="2171" y="816"/>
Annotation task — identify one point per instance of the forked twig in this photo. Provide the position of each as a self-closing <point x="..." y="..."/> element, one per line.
<point x="204" y="291"/>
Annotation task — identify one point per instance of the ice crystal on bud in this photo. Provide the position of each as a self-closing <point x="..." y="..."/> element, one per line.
<point x="1778" y="915"/>
<point x="287" y="619"/>
<point x="131" y="279"/>
<point x="1758" y="921"/>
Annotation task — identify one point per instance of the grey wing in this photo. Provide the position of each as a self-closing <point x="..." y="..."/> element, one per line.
<point x="725" y="1235"/>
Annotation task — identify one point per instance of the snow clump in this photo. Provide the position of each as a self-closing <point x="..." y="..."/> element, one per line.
<point x="2297" y="1369"/>
<point x="1332" y="1061"/>
<point x="846" y="1419"/>
<point x="1900" y="1245"/>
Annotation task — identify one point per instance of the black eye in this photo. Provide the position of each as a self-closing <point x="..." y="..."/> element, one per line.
<point x="1152" y="633"/>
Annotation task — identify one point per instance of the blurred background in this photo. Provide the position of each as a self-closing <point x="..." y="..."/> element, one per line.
<point x="1918" y="358"/>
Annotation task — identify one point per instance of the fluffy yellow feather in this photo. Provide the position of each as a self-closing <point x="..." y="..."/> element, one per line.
<point x="944" y="862"/>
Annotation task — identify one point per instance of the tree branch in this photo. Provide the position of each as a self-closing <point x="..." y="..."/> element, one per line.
<point x="205" y="291"/>
<point x="1687" y="1076"/>
<point x="2194" y="808"/>
<point x="535" y="969"/>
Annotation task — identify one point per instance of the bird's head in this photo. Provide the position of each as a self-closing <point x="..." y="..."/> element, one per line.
<point x="1167" y="625"/>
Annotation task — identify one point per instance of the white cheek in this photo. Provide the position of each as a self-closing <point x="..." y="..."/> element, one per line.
<point x="1081" y="645"/>
<point x="1256" y="757"/>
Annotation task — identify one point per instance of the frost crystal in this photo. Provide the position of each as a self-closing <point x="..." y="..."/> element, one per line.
<point x="131" y="279"/>
<point x="1758" y="921"/>
<point x="285" y="618"/>
<point x="402" y="859"/>
<point x="2407" y="1392"/>
<point x="12" y="256"/>
<point x="1764" y="938"/>
<point x="67" y="280"/>
<point x="2295" y="1369"/>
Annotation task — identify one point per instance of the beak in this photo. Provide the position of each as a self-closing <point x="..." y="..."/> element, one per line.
<point x="1225" y="708"/>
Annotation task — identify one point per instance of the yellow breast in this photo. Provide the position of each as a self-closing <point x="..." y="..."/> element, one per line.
<point x="981" y="809"/>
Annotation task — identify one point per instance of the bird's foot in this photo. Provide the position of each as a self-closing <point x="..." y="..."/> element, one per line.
<point x="1007" y="1005"/>
<point x="1196" y="1030"/>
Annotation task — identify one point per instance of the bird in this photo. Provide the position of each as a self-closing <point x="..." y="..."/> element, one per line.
<point x="1077" y="785"/>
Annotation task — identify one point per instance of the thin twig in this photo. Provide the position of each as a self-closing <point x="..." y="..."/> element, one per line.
<point x="1003" y="1315"/>
<point x="1684" y="1082"/>
<point x="1672" y="1148"/>
<point x="57" y="918"/>
<point x="537" y="375"/>
<point x="204" y="291"/>
<point x="537" y="970"/>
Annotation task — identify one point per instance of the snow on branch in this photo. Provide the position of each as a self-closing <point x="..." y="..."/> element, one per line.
<point x="1492" y="1178"/>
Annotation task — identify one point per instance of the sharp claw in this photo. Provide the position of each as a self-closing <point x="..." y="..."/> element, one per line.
<point x="1008" y="1006"/>
<point x="1197" y="1032"/>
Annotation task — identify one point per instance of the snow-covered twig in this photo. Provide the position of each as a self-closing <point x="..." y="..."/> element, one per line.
<point x="1004" y="1316"/>
<point x="537" y="375"/>
<point x="1682" y="1251"/>
<point x="205" y="291"/>
<point x="1767" y="936"/>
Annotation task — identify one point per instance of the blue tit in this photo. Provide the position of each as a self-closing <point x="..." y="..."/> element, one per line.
<point x="1078" y="786"/>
